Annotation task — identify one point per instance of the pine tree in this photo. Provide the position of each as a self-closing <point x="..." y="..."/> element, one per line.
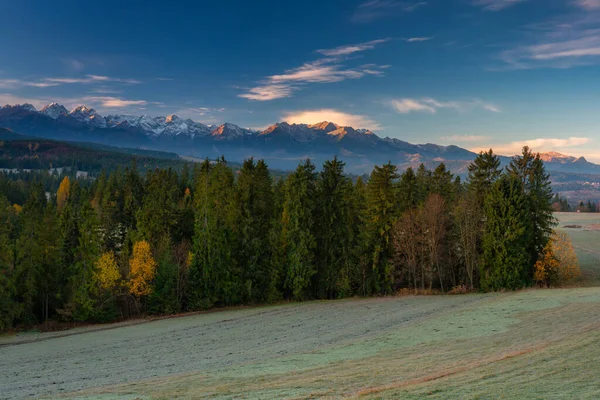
<point x="333" y="230"/>
<point x="87" y="252"/>
<point x="506" y="260"/>
<point x="9" y="307"/>
<point x="529" y="169"/>
<point x="255" y="202"/>
<point x="298" y="230"/>
<point x="157" y="213"/>
<point x="409" y="190"/>
<point x="30" y="254"/>
<point x="164" y="297"/>
<point x="380" y="217"/>
<point x="214" y="276"/>
<point x="483" y="172"/>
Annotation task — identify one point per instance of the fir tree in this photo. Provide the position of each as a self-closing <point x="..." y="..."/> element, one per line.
<point x="506" y="259"/>
<point x="380" y="215"/>
<point x="298" y="230"/>
<point x="333" y="230"/>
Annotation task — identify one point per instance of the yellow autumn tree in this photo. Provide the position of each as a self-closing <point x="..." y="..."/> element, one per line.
<point x="558" y="264"/>
<point x="107" y="271"/>
<point x="63" y="192"/>
<point x="142" y="269"/>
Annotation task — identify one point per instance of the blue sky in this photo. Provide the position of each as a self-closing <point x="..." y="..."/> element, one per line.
<point x="475" y="73"/>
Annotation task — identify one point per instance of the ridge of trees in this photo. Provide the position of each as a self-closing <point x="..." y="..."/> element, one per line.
<point x="167" y="242"/>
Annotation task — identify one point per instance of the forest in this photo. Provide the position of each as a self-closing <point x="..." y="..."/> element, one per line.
<point x="163" y="242"/>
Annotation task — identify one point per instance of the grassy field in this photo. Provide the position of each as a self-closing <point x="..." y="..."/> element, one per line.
<point x="533" y="344"/>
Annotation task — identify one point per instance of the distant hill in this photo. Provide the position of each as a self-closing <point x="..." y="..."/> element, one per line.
<point x="282" y="145"/>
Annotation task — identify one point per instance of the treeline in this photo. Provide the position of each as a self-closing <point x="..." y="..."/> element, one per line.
<point x="167" y="242"/>
<point x="561" y="204"/>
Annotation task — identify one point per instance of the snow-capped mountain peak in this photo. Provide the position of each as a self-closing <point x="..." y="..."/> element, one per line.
<point x="54" y="110"/>
<point x="88" y="115"/>
<point x="25" y="106"/>
<point x="229" y="130"/>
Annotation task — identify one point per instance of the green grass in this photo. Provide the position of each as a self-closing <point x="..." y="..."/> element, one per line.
<point x="532" y="344"/>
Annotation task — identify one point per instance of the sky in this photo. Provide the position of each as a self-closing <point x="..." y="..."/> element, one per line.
<point x="474" y="73"/>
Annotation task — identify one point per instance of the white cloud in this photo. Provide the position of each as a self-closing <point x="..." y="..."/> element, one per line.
<point x="376" y="9"/>
<point x="90" y="79"/>
<point x="331" y="115"/>
<point x="429" y="105"/>
<point x="115" y="102"/>
<point x="268" y="92"/>
<point x="325" y="70"/>
<point x="465" y="138"/>
<point x="588" y="4"/>
<point x="565" y="41"/>
<point x="496" y="5"/>
<point x="73" y="64"/>
<point x="538" y="145"/>
<point x="406" y="106"/>
<point x="353" y="48"/>
<point x="417" y="39"/>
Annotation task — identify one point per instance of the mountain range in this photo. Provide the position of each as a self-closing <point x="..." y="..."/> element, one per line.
<point x="281" y="144"/>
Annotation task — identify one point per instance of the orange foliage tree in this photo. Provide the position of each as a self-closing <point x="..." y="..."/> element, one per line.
<point x="107" y="271"/>
<point x="142" y="269"/>
<point x="62" y="195"/>
<point x="558" y="264"/>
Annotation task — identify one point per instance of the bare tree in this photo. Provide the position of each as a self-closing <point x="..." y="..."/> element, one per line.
<point x="468" y="220"/>
<point x="407" y="243"/>
<point x="435" y="221"/>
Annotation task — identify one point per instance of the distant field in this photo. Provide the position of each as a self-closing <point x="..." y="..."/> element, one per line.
<point x="533" y="344"/>
<point x="586" y="240"/>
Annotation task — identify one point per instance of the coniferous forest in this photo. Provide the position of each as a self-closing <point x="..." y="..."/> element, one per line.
<point x="166" y="242"/>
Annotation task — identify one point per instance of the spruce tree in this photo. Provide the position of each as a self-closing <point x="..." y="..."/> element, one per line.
<point x="506" y="259"/>
<point x="530" y="171"/>
<point x="214" y="276"/>
<point x="380" y="216"/>
<point x="483" y="172"/>
<point x="298" y="230"/>
<point x="255" y="202"/>
<point x="333" y="231"/>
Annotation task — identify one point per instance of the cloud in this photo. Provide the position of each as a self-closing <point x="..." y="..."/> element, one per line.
<point x="115" y="102"/>
<point x="325" y="70"/>
<point x="165" y="79"/>
<point x="565" y="41"/>
<point x="496" y="5"/>
<point x="90" y="79"/>
<point x="429" y="105"/>
<point x="72" y="64"/>
<point x="405" y="106"/>
<point x="588" y="4"/>
<point x="51" y="82"/>
<point x="538" y="145"/>
<point x="465" y="138"/>
<point x="376" y="9"/>
<point x="330" y="115"/>
<point x="268" y="92"/>
<point x="417" y="39"/>
<point x="353" y="48"/>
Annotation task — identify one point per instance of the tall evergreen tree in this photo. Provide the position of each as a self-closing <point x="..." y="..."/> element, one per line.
<point x="530" y="171"/>
<point x="333" y="229"/>
<point x="380" y="216"/>
<point x="9" y="307"/>
<point x="30" y="254"/>
<point x="214" y="276"/>
<point x="483" y="172"/>
<point x="506" y="259"/>
<point x="298" y="230"/>
<point x="255" y="202"/>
